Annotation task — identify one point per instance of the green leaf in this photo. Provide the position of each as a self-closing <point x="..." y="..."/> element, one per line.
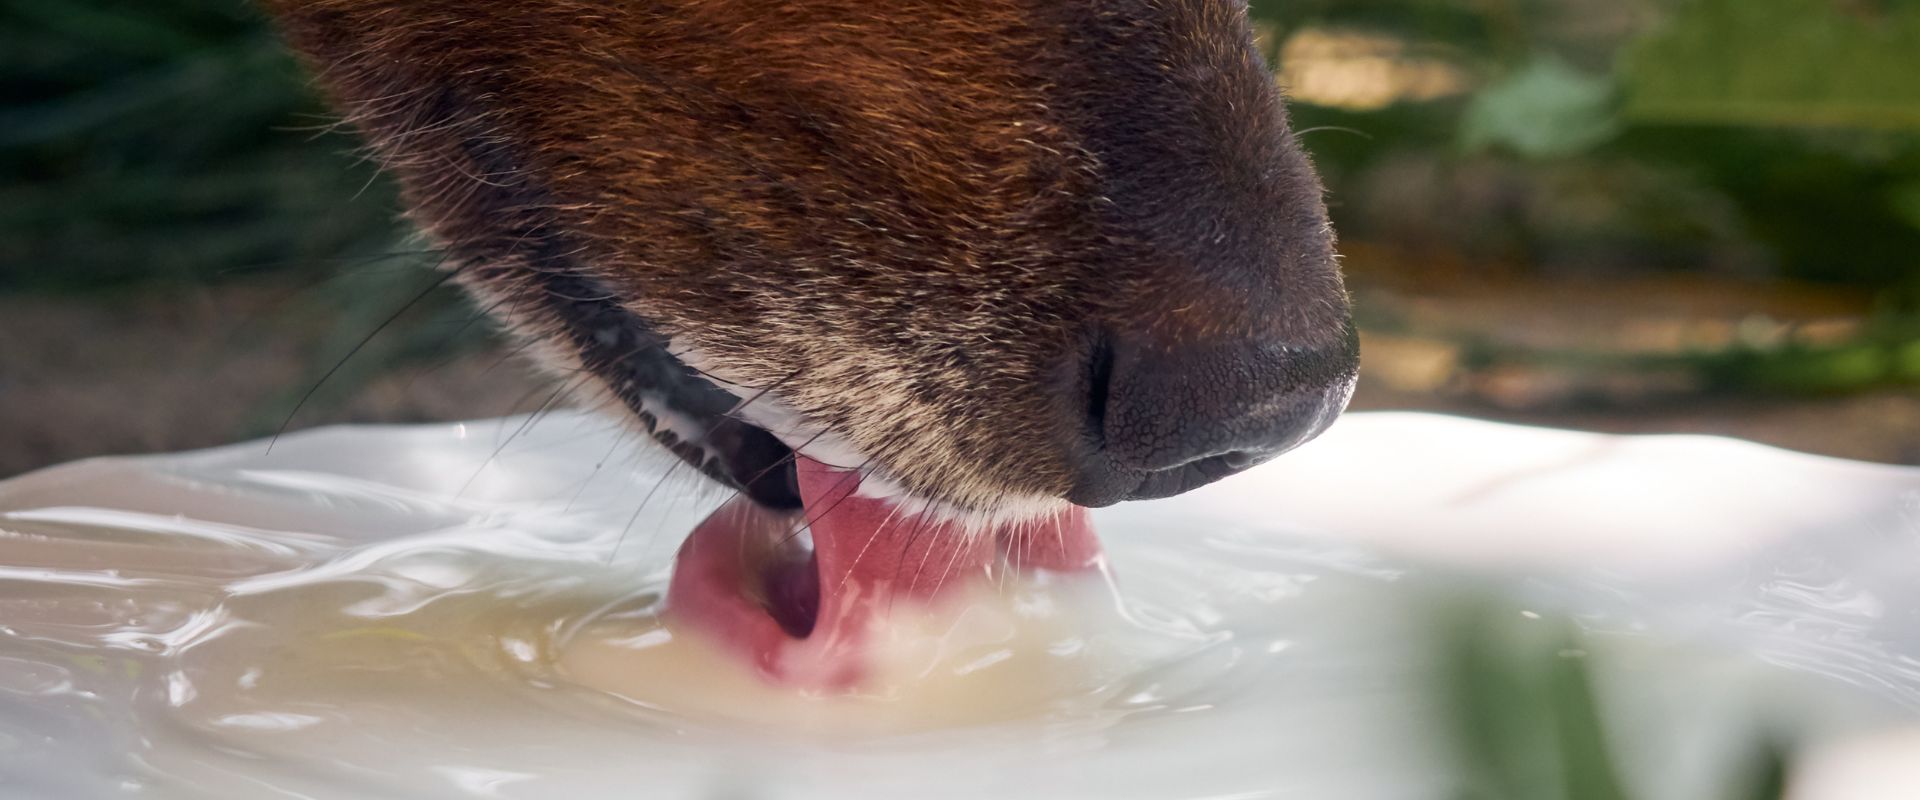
<point x="1545" y="110"/>
<point x="1527" y="722"/>
<point x="1905" y="201"/>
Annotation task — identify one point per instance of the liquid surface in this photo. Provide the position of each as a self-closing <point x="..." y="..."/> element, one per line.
<point x="471" y="611"/>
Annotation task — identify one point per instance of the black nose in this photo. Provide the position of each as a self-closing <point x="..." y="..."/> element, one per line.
<point x="1172" y="417"/>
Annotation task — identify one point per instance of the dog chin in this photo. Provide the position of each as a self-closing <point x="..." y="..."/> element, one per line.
<point x="877" y="483"/>
<point x="765" y="411"/>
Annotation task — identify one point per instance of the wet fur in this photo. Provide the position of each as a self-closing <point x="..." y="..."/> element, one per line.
<point x="901" y="226"/>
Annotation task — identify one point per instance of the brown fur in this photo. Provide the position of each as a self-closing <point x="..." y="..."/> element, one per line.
<point x="906" y="218"/>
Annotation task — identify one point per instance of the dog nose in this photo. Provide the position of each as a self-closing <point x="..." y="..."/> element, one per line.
<point x="1170" y="417"/>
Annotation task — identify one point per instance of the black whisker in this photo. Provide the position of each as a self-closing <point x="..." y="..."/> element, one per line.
<point x="611" y="556"/>
<point x="792" y="456"/>
<point x="408" y="306"/>
<point x="618" y="439"/>
<point x="524" y="425"/>
<point x="1355" y="131"/>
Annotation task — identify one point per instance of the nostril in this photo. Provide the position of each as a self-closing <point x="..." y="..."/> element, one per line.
<point x="1164" y="416"/>
<point x="1099" y="387"/>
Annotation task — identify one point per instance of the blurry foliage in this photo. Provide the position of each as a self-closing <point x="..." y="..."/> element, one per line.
<point x="154" y="140"/>
<point x="1781" y="63"/>
<point x="1542" y="110"/>
<point x="1886" y="354"/>
<point x="1528" y="726"/>
<point x="1749" y="138"/>
<point x="1802" y="116"/>
<point x="178" y="141"/>
<point x="175" y="140"/>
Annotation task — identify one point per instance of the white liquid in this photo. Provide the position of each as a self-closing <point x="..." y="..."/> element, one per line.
<point x="441" y="612"/>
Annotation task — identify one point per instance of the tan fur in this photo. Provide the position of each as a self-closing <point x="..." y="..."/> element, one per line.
<point x="904" y="216"/>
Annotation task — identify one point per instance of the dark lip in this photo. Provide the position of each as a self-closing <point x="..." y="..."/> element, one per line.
<point x="1101" y="485"/>
<point x="630" y="355"/>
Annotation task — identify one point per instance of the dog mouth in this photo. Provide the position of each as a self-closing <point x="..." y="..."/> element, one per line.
<point x="810" y="615"/>
<point x="803" y="614"/>
<point x="686" y="411"/>
<point x="742" y="437"/>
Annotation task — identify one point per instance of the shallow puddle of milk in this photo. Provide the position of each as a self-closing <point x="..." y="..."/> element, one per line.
<point x="472" y="611"/>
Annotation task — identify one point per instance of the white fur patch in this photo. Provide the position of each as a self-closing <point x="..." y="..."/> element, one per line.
<point x="767" y="411"/>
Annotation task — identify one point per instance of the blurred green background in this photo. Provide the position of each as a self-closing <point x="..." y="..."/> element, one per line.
<point x="1636" y="215"/>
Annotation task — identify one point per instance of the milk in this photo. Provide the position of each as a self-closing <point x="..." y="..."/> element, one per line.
<point x="476" y="611"/>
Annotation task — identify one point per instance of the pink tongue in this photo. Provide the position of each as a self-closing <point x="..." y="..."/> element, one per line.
<point x="807" y="623"/>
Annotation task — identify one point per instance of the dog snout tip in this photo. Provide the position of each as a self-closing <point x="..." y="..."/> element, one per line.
<point x="1173" y="418"/>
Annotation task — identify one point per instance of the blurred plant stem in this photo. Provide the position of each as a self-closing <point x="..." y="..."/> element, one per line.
<point x="1526" y="720"/>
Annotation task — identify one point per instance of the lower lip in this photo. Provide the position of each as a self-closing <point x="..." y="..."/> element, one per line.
<point x="419" y="613"/>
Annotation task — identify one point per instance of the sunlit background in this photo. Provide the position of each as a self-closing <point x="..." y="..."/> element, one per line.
<point x="1632" y="215"/>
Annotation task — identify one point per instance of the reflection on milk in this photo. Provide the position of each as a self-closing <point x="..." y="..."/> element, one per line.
<point x="442" y="612"/>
